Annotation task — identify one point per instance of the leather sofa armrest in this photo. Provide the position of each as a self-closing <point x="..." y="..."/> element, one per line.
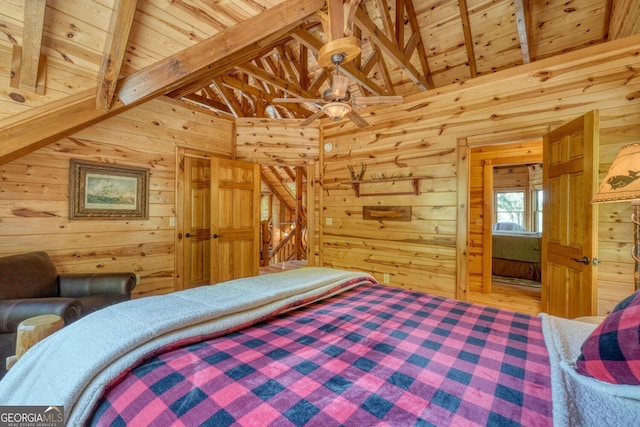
<point x="14" y="311"/>
<point x="84" y="285"/>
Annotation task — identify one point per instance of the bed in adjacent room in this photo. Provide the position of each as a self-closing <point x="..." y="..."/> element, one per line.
<point x="315" y="346"/>
<point x="516" y="254"/>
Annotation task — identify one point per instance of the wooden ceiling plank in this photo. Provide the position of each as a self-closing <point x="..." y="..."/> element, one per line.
<point x="422" y="52"/>
<point x="24" y="133"/>
<point x="34" y="11"/>
<point x="389" y="48"/>
<point x="468" y="40"/>
<point x="155" y="79"/>
<point x="523" y="22"/>
<point x="114" y="50"/>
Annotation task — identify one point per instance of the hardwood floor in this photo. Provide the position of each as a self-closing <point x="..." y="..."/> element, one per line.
<point x="512" y="297"/>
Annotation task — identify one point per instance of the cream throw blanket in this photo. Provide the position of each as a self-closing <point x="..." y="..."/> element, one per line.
<point x="580" y="401"/>
<point x="71" y="367"/>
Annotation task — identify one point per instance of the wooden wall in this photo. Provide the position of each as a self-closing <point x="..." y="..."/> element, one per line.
<point x="430" y="135"/>
<point x="34" y="193"/>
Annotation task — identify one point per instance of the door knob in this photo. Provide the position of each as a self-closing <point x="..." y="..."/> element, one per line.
<point x="584" y="260"/>
<point x="187" y="235"/>
<point x="215" y="236"/>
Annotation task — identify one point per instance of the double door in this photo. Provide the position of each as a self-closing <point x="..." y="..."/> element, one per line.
<point x="218" y="226"/>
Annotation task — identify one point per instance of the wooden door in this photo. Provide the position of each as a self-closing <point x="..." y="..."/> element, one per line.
<point x="569" y="244"/>
<point x="236" y="219"/>
<point x="196" y="221"/>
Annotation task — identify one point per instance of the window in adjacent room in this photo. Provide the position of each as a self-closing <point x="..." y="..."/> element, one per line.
<point x="537" y="210"/>
<point x="510" y="206"/>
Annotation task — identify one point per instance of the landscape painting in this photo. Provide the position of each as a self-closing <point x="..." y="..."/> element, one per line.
<point x="101" y="191"/>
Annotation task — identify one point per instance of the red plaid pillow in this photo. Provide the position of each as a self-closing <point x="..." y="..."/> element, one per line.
<point x="612" y="352"/>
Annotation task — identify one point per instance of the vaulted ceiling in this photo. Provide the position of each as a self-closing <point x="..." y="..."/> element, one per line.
<point x="124" y="50"/>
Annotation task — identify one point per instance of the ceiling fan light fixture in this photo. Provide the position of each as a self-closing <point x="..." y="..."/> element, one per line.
<point x="336" y="110"/>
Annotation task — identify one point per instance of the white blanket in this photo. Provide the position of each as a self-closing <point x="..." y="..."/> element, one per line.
<point x="71" y="367"/>
<point x="580" y="401"/>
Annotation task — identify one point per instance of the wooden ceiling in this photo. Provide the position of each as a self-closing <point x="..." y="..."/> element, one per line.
<point x="54" y="49"/>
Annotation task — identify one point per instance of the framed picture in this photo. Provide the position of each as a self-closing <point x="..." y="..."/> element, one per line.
<point x="102" y="191"/>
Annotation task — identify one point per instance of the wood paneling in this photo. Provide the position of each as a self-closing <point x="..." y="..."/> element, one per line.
<point x="34" y="193"/>
<point x="420" y="137"/>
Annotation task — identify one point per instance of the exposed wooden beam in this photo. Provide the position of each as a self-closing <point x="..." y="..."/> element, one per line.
<point x="114" y="50"/>
<point x="389" y="48"/>
<point x="422" y="52"/>
<point x="257" y="93"/>
<point x="25" y="132"/>
<point x="286" y="85"/>
<point x="304" y="67"/>
<point x="208" y="102"/>
<point x="606" y="24"/>
<point x="387" y="23"/>
<point x="468" y="40"/>
<point x="399" y="33"/>
<point x="228" y="98"/>
<point x="523" y="24"/>
<point x="155" y="79"/>
<point x="336" y="19"/>
<point x="31" y="43"/>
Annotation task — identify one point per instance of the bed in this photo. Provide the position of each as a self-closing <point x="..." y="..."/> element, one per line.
<point x="516" y="254"/>
<point x="315" y="346"/>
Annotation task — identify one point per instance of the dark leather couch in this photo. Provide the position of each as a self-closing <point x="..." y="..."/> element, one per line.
<point x="30" y="286"/>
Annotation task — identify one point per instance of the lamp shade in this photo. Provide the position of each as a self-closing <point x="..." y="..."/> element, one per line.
<point x="336" y="110"/>
<point x="623" y="179"/>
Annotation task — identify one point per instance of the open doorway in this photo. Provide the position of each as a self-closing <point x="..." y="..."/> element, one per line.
<point x="283" y="218"/>
<point x="516" y="231"/>
<point x="510" y="204"/>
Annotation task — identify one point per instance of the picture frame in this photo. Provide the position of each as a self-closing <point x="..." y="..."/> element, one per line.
<point x="105" y="191"/>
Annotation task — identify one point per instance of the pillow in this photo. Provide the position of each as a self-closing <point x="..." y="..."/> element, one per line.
<point x="612" y="352"/>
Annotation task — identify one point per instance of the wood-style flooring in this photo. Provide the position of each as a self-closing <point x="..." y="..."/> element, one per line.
<point x="512" y="297"/>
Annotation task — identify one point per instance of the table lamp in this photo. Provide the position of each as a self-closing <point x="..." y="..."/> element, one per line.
<point x="622" y="183"/>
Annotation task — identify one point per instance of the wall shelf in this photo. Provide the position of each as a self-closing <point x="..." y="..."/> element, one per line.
<point x="415" y="182"/>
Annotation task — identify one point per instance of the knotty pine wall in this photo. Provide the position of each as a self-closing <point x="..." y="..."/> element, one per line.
<point x="34" y="193"/>
<point x="430" y="135"/>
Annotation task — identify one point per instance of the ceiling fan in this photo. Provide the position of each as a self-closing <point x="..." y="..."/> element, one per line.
<point x="336" y="102"/>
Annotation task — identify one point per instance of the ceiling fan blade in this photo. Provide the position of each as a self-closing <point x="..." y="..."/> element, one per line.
<point x="357" y="119"/>
<point x="340" y="86"/>
<point x="297" y="100"/>
<point x="377" y="100"/>
<point x="311" y="118"/>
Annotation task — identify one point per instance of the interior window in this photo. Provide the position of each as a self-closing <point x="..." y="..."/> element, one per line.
<point x="510" y="206"/>
<point x="537" y="210"/>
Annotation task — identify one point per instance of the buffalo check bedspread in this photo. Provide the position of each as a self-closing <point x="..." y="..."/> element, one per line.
<point x="372" y="355"/>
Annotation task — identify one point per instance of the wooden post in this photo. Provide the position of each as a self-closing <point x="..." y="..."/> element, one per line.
<point x="31" y="331"/>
